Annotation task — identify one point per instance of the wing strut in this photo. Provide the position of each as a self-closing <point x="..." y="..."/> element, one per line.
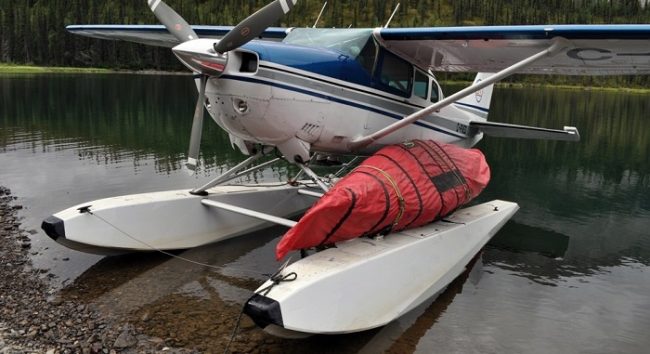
<point x="560" y="44"/>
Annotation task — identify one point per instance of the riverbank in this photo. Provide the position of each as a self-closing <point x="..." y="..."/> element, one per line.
<point x="129" y="304"/>
<point x="8" y="69"/>
<point x="28" y="69"/>
<point x="33" y="320"/>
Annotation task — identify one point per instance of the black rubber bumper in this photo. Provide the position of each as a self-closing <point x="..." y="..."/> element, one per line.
<point x="263" y="311"/>
<point x="53" y="227"/>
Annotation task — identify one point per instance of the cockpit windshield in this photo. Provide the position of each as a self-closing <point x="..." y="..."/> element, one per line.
<point x="349" y="42"/>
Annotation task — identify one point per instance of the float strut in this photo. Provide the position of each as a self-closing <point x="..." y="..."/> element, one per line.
<point x="314" y="177"/>
<point x="228" y="175"/>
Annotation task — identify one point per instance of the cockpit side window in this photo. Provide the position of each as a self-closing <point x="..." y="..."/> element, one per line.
<point x="421" y="85"/>
<point x="435" y="91"/>
<point x="395" y="75"/>
<point x="367" y="56"/>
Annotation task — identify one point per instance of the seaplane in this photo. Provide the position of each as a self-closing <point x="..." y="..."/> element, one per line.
<point x="298" y="95"/>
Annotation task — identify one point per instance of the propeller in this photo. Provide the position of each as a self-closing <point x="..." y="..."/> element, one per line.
<point x="174" y="23"/>
<point x="197" y="127"/>
<point x="178" y="27"/>
<point x="254" y="25"/>
<point x="241" y="34"/>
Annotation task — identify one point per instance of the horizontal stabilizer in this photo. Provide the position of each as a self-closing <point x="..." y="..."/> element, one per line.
<point x="503" y="130"/>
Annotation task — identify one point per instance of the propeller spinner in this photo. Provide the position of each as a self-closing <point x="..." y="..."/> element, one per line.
<point x="212" y="61"/>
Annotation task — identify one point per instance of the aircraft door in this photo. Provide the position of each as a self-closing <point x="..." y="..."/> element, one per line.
<point x="421" y="85"/>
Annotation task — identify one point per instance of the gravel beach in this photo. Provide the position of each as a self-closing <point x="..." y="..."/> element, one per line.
<point x="35" y="321"/>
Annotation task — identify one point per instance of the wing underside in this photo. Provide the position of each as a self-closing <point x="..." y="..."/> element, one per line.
<point x="157" y="35"/>
<point x="590" y="49"/>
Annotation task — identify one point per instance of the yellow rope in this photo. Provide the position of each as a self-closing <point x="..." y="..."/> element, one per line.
<point x="393" y="183"/>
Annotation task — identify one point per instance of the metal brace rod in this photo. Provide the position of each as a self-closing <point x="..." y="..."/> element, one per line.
<point x="254" y="168"/>
<point x="320" y="14"/>
<point x="301" y="172"/>
<point x="314" y="177"/>
<point x="249" y="212"/>
<point x="558" y="45"/>
<point x="310" y="193"/>
<point x="226" y="175"/>
<point x="392" y="15"/>
<point x="347" y="165"/>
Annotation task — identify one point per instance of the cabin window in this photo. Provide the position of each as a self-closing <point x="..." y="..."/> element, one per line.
<point x="435" y="92"/>
<point x="421" y="85"/>
<point x="395" y="75"/>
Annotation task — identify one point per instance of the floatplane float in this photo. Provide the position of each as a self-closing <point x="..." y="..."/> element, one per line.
<point x="307" y="92"/>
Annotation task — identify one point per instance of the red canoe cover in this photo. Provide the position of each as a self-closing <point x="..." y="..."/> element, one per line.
<point x="400" y="187"/>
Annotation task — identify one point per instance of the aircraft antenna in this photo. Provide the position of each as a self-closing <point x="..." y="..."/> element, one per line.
<point x="320" y="14"/>
<point x="392" y="15"/>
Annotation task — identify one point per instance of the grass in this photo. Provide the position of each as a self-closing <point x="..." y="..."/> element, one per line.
<point x="523" y="84"/>
<point x="28" y="69"/>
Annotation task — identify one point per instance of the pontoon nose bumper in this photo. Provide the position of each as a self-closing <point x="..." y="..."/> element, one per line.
<point x="263" y="311"/>
<point x="53" y="227"/>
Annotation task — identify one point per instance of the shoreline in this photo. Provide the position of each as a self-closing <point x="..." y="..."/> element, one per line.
<point x="10" y="69"/>
<point x="94" y="314"/>
<point x="35" y="321"/>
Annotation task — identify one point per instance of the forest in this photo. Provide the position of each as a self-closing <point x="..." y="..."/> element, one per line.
<point x="33" y="31"/>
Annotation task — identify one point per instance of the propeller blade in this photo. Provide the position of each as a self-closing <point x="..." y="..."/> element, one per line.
<point x="254" y="25"/>
<point x="197" y="127"/>
<point x="174" y="23"/>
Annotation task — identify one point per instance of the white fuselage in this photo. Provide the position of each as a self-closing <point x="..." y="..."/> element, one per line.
<point x="278" y="103"/>
<point x="319" y="99"/>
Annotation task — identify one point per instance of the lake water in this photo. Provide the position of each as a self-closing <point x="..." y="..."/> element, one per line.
<point x="569" y="273"/>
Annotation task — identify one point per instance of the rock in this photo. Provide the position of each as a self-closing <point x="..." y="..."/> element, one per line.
<point x="57" y="301"/>
<point x="125" y="339"/>
<point x="246" y="323"/>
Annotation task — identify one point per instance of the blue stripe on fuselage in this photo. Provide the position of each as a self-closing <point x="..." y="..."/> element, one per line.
<point x="320" y="61"/>
<point x="473" y="107"/>
<point x="335" y="99"/>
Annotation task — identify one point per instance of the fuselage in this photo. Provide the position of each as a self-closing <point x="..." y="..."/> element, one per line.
<point x="327" y="88"/>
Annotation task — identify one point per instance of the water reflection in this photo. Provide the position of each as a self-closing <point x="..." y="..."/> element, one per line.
<point x="596" y="192"/>
<point x="107" y="118"/>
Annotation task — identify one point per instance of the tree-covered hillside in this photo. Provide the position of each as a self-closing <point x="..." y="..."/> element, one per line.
<point x="33" y="31"/>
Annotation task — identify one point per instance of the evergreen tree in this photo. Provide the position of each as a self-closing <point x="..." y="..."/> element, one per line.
<point x="33" y="31"/>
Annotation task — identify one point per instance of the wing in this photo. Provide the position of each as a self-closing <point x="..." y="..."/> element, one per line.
<point x="157" y="35"/>
<point x="593" y="49"/>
